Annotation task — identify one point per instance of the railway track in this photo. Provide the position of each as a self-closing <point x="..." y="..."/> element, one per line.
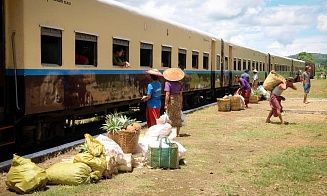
<point x="72" y="139"/>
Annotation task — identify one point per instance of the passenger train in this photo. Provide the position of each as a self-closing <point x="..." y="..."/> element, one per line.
<point x="42" y="84"/>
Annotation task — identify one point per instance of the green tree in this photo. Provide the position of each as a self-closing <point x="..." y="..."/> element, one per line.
<point x="306" y="57"/>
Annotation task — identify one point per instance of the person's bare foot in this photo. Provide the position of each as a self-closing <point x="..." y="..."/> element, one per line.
<point x="284" y="123"/>
<point x="268" y="121"/>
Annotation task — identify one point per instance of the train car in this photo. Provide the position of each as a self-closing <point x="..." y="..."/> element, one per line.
<point x="57" y="65"/>
<point x="249" y="59"/>
<point x="282" y="65"/>
<point x="44" y="83"/>
<point x="297" y="69"/>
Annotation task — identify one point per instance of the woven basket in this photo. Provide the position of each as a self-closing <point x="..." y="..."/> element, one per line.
<point x="223" y="104"/>
<point x="254" y="99"/>
<point x="235" y="103"/>
<point x="272" y="80"/>
<point x="127" y="140"/>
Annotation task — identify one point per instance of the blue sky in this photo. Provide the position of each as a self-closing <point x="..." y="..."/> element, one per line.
<point x="280" y="27"/>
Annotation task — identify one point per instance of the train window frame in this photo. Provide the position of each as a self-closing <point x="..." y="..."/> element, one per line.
<point x="123" y="43"/>
<point x="244" y="64"/>
<point x="182" y="52"/>
<point x="166" y="56"/>
<point x="249" y="64"/>
<point x="234" y="64"/>
<point x="218" y="63"/>
<point x="146" y="54"/>
<point x="51" y="39"/>
<point x="239" y="64"/>
<point x="226" y="66"/>
<point x="86" y="44"/>
<point x="195" y="59"/>
<point x="205" y="63"/>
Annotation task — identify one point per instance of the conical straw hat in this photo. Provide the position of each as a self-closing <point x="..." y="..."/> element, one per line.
<point x="173" y="74"/>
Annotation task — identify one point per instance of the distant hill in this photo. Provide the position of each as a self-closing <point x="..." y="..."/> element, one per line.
<point x="319" y="58"/>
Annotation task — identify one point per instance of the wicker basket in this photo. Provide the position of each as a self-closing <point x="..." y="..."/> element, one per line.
<point x="223" y="104"/>
<point x="127" y="140"/>
<point x="235" y="103"/>
<point x="272" y="80"/>
<point x="254" y="99"/>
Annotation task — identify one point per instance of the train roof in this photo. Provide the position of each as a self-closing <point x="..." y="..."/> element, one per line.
<point x="155" y="17"/>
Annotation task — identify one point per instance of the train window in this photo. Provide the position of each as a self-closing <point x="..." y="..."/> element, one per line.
<point x="85" y="49"/>
<point x="244" y="64"/>
<point x="166" y="56"/>
<point x="260" y="68"/>
<point x="218" y="62"/>
<point x="226" y="64"/>
<point x="249" y="64"/>
<point x="235" y="66"/>
<point x="118" y="45"/>
<point x="239" y="65"/>
<point x="205" y="60"/>
<point x="182" y="58"/>
<point x="195" y="59"/>
<point x="253" y="65"/>
<point x="146" y="54"/>
<point x="51" y="46"/>
<point x="257" y="65"/>
<point x="263" y="67"/>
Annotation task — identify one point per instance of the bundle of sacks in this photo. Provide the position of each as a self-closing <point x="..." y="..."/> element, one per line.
<point x="162" y="128"/>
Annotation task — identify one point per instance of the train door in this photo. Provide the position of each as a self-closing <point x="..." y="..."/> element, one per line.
<point x="7" y="132"/>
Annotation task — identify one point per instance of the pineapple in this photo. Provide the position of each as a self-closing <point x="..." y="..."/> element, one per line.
<point x="116" y="122"/>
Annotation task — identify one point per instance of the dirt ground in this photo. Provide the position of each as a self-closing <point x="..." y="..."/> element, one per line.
<point x="221" y="154"/>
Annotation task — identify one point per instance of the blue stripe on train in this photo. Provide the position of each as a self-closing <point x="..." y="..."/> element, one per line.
<point x="42" y="72"/>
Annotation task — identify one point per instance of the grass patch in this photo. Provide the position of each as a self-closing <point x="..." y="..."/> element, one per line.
<point x="295" y="165"/>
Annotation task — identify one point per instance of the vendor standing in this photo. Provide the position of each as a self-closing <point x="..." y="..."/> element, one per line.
<point x="153" y="98"/>
<point x="174" y="96"/>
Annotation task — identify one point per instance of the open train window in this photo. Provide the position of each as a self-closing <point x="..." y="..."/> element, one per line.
<point x="239" y="64"/>
<point x="182" y="58"/>
<point x="166" y="56"/>
<point x="253" y="65"/>
<point x="218" y="63"/>
<point x="85" y="49"/>
<point x="195" y="59"/>
<point x="226" y="63"/>
<point x="249" y="64"/>
<point x="234" y="64"/>
<point x="120" y="44"/>
<point x="146" y="54"/>
<point x="51" y="46"/>
<point x="244" y="64"/>
<point x="205" y="60"/>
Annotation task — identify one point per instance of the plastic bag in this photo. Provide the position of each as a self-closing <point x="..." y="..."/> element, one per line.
<point x="25" y="176"/>
<point x="71" y="174"/>
<point x="184" y="123"/>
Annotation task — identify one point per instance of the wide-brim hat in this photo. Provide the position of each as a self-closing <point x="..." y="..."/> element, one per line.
<point x="154" y="72"/>
<point x="173" y="74"/>
<point x="255" y="70"/>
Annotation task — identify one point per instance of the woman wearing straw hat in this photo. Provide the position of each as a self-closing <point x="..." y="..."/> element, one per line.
<point x="153" y="98"/>
<point x="174" y="96"/>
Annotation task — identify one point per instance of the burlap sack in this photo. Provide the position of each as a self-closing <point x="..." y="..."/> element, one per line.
<point x="272" y="80"/>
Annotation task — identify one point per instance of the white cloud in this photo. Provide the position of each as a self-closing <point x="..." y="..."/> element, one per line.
<point x="322" y="23"/>
<point x="280" y="29"/>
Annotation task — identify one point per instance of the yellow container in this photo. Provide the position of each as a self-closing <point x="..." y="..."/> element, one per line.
<point x="223" y="104"/>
